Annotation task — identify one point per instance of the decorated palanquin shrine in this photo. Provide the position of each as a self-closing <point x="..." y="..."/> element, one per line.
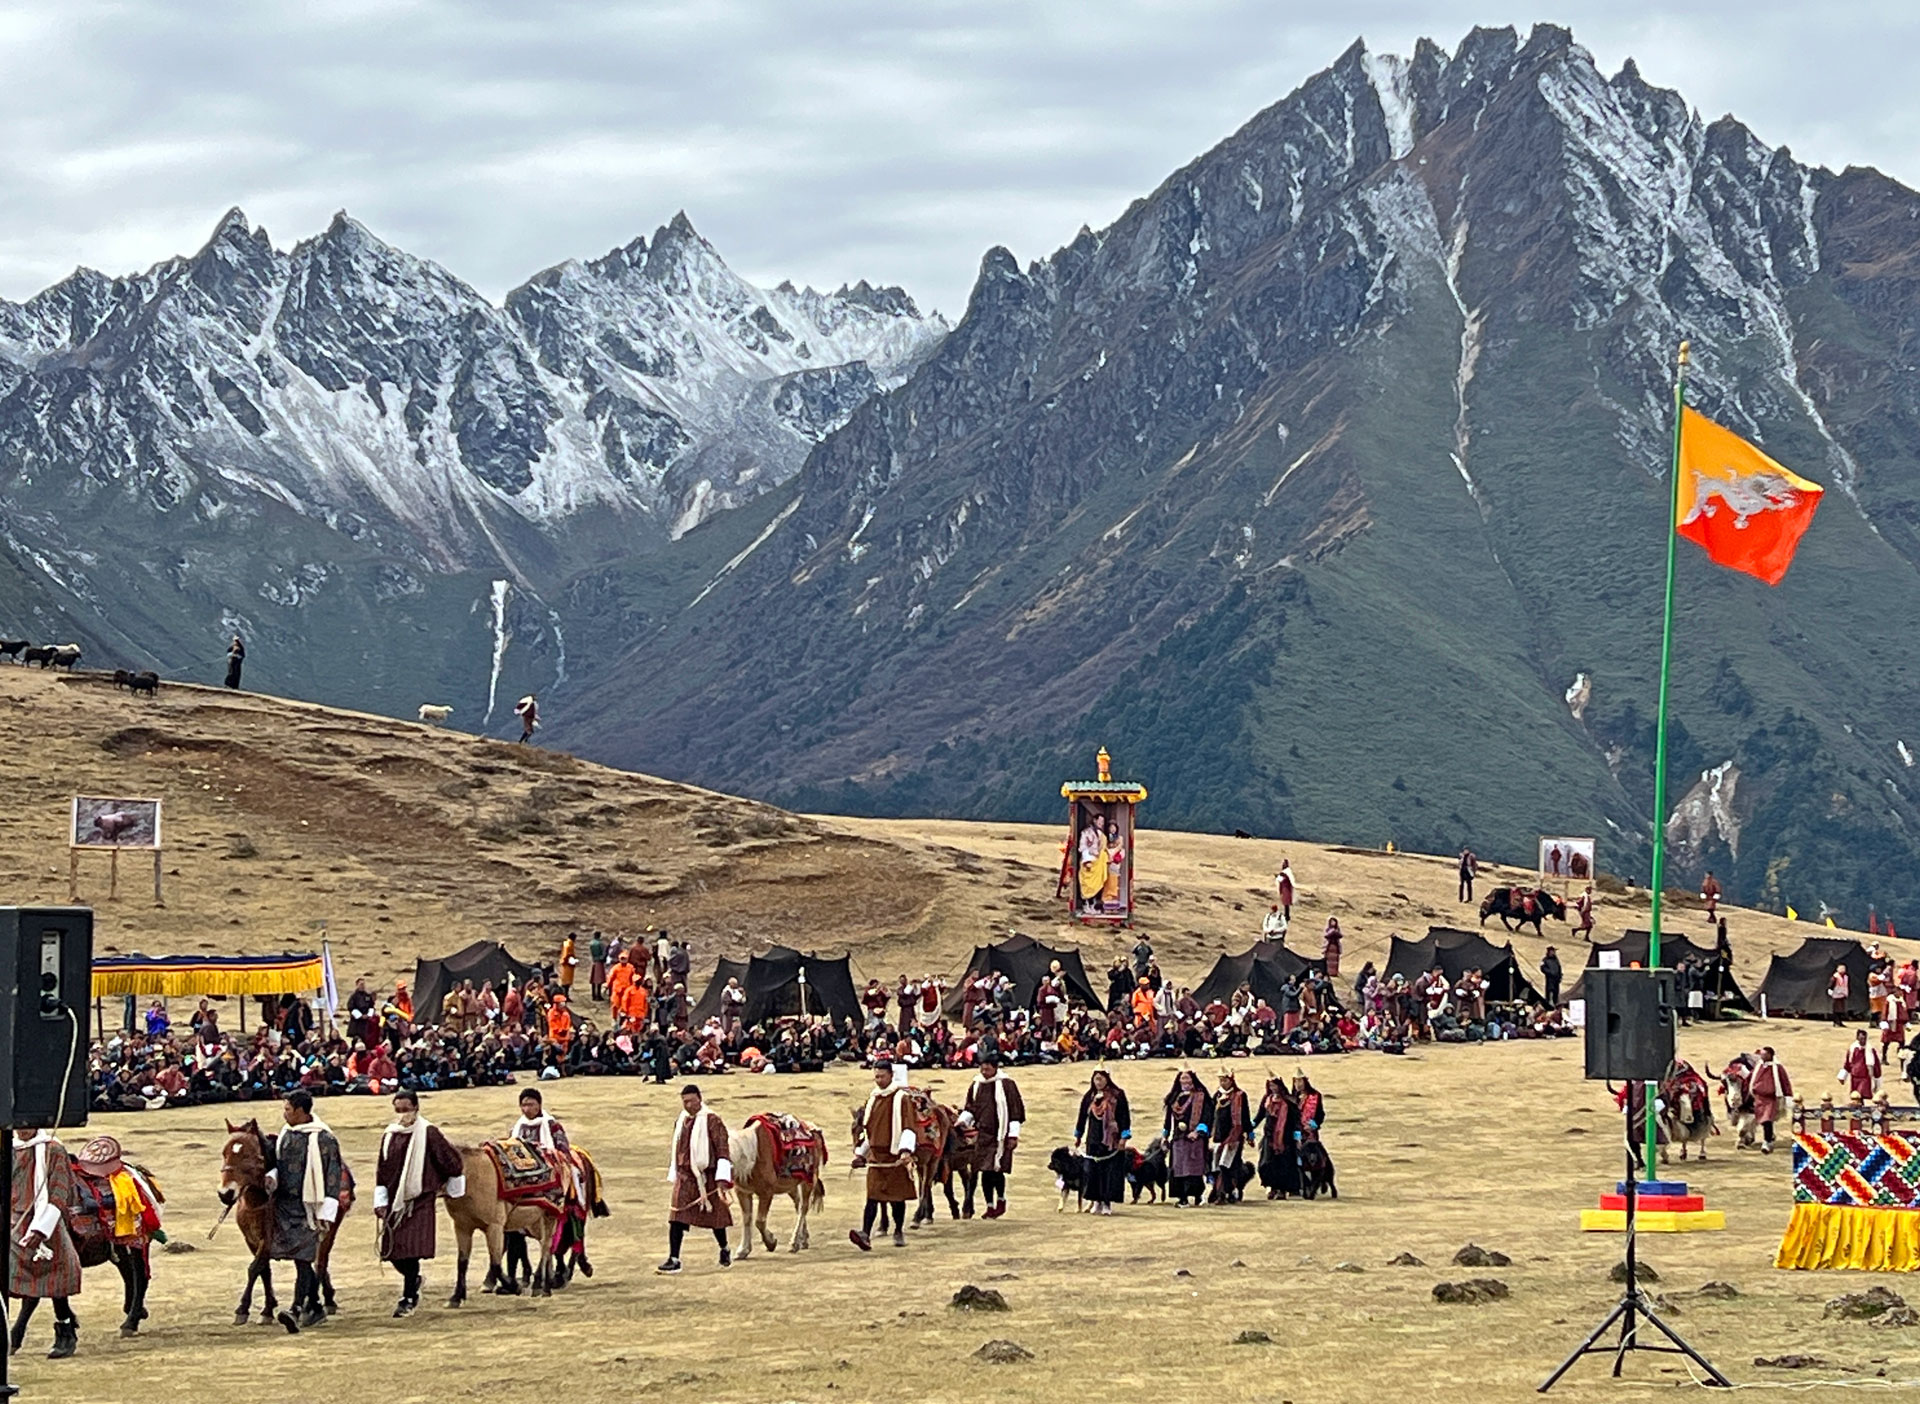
<point x="1856" y="1190"/>
<point x="1096" y="866"/>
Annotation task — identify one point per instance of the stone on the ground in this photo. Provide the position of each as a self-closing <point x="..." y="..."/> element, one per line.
<point x="1003" y="1353"/>
<point x="1864" y="1306"/>
<point x="1788" y="1362"/>
<point x="1642" y="1272"/>
<point x="1898" y="1316"/>
<point x="1717" y="1291"/>
<point x="1405" y="1260"/>
<point x="972" y="1298"/>
<point x="1348" y="1267"/>
<point x="1472" y="1292"/>
<point x="1473" y="1255"/>
<point x="178" y="1245"/>
<point x="1253" y="1338"/>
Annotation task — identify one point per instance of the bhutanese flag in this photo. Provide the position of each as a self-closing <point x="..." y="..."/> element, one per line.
<point x="1746" y="511"/>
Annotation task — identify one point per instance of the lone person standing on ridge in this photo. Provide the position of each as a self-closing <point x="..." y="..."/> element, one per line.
<point x="1283" y="890"/>
<point x="236" y="657"/>
<point x="1469" y="870"/>
<point x="528" y="710"/>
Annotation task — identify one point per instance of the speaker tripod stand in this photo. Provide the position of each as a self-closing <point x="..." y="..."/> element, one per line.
<point x="1633" y="1305"/>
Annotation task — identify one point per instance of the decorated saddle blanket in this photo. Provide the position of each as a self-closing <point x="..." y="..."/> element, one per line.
<point x="526" y="1171"/>
<point x="111" y="1209"/>
<point x="794" y="1145"/>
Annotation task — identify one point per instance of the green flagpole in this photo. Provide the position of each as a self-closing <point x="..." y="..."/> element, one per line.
<point x="1660" y="724"/>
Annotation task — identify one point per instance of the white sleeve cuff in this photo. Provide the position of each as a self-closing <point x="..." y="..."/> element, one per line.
<point x="964" y="1119"/>
<point x="723" y="1171"/>
<point x="1013" y="1130"/>
<point x="273" y="1181"/>
<point x="457" y="1187"/>
<point x="45" y="1221"/>
<point x="908" y="1143"/>
<point x="329" y="1210"/>
<point x="381" y="1199"/>
<point x="673" y="1175"/>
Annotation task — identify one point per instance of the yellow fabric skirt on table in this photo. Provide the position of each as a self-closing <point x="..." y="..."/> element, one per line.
<point x="1840" y="1236"/>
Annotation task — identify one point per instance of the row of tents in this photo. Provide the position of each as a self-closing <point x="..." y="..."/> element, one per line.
<point x="782" y="981"/>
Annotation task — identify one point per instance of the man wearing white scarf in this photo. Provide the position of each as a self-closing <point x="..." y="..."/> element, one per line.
<point x="887" y="1146"/>
<point x="43" y="1262"/>
<point x="701" y="1178"/>
<point x="309" y="1181"/>
<point x="995" y="1109"/>
<point x="417" y="1164"/>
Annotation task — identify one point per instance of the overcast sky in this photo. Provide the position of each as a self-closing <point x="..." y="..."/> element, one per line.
<point x="827" y="141"/>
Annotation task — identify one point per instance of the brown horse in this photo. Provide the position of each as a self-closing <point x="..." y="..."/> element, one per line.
<point x="758" y="1179"/>
<point x="484" y="1209"/>
<point x="245" y="1160"/>
<point x="97" y="1243"/>
<point x="586" y="1199"/>
<point x="933" y="1134"/>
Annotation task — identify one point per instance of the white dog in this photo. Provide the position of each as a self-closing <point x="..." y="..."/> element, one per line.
<point x="431" y="713"/>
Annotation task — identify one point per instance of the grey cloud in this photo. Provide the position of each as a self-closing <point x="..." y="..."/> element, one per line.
<point x="824" y="142"/>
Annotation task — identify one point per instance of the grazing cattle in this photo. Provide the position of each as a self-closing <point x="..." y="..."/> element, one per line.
<point x="65" y="656"/>
<point x="39" y="653"/>
<point x="1523" y="907"/>
<point x="10" y="648"/>
<point x="148" y="683"/>
<point x="431" y="713"/>
<point x="122" y="678"/>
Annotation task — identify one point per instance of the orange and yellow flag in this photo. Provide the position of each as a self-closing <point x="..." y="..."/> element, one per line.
<point x="1746" y="511"/>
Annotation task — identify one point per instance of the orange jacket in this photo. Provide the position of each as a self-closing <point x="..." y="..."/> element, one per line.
<point x="618" y="979"/>
<point x="560" y="1024"/>
<point x="631" y="1004"/>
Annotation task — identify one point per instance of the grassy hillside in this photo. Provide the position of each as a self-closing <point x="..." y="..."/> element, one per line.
<point x="284" y="820"/>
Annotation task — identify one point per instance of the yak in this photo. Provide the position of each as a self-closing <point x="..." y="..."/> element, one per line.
<point x="1510" y="905"/>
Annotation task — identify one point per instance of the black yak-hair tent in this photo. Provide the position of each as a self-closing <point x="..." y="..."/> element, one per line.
<point x="774" y="988"/>
<point x="1025" y="961"/>
<point x="482" y="961"/>
<point x="1797" y="983"/>
<point x="1716" y="974"/>
<point x="1456" y="952"/>
<point x="1263" y="968"/>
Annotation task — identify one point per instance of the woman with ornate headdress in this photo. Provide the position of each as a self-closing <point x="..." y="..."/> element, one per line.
<point x="1189" y="1113"/>
<point x="1100" y="1134"/>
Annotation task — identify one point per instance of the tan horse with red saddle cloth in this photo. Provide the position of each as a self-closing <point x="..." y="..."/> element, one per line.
<point x="772" y="1155"/>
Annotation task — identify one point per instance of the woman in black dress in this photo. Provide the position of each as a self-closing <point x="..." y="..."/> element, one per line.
<point x="1100" y="1135"/>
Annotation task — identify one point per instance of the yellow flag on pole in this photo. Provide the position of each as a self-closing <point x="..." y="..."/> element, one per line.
<point x="1792" y="915"/>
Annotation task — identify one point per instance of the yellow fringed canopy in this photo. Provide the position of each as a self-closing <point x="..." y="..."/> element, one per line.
<point x="190" y="977"/>
<point x="1849" y="1236"/>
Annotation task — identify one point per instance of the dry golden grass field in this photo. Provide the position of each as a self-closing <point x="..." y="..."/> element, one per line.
<point x="404" y="839"/>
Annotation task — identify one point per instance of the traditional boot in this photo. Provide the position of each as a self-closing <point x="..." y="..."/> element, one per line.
<point x="899" y="1238"/>
<point x="66" y="1338"/>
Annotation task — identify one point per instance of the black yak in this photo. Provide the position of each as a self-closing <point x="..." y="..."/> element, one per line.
<point x="1522" y="906"/>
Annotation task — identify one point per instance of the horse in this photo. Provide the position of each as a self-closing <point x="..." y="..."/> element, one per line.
<point x="93" y="1226"/>
<point x="245" y="1160"/>
<point x="933" y="1128"/>
<point x="1688" y="1114"/>
<point x="486" y="1210"/>
<point x="1736" y="1090"/>
<point x="1509" y="904"/>
<point x="759" y="1176"/>
<point x="584" y="1200"/>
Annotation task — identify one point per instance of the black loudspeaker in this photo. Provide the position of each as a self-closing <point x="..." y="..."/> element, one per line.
<point x="1629" y="1024"/>
<point x="46" y="982"/>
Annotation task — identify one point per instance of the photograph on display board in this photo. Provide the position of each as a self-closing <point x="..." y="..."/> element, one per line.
<point x="1570" y="859"/>
<point x="1103" y="845"/>
<point x="115" y="823"/>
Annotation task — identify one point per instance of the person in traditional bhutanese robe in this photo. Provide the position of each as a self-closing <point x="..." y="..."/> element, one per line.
<point x="1277" y="1119"/>
<point x="1188" y="1121"/>
<point x="1860" y="1069"/>
<point x="1770" y="1087"/>
<point x="1116" y="867"/>
<point x="43" y="1261"/>
<point x="995" y="1109"/>
<point x="308" y="1182"/>
<point x="417" y="1162"/>
<point x="887" y="1146"/>
<point x="1093" y="859"/>
<point x="1232" y="1125"/>
<point x="701" y="1177"/>
<point x="1100" y="1134"/>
